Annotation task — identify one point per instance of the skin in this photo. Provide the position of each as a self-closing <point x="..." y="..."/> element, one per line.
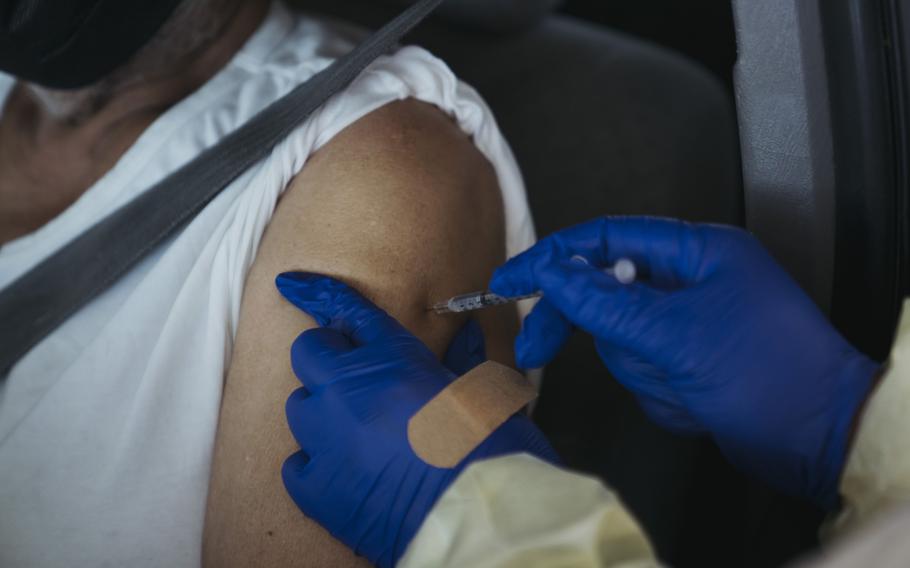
<point x="54" y="144"/>
<point x="392" y="206"/>
<point x="401" y="205"/>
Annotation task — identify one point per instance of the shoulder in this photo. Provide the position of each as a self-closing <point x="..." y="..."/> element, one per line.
<point x="405" y="144"/>
<point x="401" y="206"/>
<point x="398" y="191"/>
<point x="393" y="189"/>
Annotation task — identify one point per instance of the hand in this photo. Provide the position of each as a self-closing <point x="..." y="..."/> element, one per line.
<point x="364" y="376"/>
<point x="717" y="339"/>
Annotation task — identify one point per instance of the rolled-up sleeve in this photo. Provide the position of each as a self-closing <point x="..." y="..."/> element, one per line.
<point x="518" y="511"/>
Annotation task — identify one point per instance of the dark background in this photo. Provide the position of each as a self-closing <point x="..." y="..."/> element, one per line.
<point x="701" y="30"/>
<point x="725" y="519"/>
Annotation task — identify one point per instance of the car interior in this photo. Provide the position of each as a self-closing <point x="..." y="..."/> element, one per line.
<point x="783" y="116"/>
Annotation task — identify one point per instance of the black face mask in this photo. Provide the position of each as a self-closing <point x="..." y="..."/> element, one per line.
<point x="66" y="44"/>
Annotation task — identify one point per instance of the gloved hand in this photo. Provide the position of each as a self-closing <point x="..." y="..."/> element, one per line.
<point x="467" y="349"/>
<point x="364" y="376"/>
<point x="717" y="338"/>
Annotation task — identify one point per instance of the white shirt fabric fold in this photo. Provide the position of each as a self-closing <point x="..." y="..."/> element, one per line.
<point x="107" y="426"/>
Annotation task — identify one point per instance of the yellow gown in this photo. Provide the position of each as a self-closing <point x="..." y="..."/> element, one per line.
<point x="518" y="511"/>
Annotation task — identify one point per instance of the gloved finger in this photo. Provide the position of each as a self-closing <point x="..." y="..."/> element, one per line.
<point x="542" y="336"/>
<point x="336" y="305"/>
<point x="650" y="387"/>
<point x="670" y="417"/>
<point x="295" y="465"/>
<point x="295" y="473"/>
<point x="518" y="431"/>
<point x="666" y="251"/>
<point x="636" y="374"/>
<point x="600" y="305"/>
<point x="304" y="420"/>
<point x="315" y="355"/>
<point x="315" y="491"/>
<point x="467" y="349"/>
<point x="518" y="276"/>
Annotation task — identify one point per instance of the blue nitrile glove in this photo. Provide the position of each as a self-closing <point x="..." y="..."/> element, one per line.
<point x="364" y="376"/>
<point x="717" y="338"/>
<point x="467" y="349"/>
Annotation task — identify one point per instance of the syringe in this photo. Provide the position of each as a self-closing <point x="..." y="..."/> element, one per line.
<point x="624" y="271"/>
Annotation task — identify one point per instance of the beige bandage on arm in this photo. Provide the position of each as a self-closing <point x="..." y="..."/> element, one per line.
<point x="465" y="413"/>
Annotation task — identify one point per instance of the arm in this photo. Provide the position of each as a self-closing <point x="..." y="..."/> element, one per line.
<point x="401" y="206"/>
<point x="383" y="438"/>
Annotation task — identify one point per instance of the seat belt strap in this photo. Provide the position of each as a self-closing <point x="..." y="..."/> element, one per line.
<point x="40" y="300"/>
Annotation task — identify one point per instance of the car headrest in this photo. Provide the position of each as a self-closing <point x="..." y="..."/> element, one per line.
<point x="496" y="16"/>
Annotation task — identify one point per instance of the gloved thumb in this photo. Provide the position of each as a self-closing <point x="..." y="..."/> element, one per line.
<point x="467" y="349"/>
<point x="542" y="336"/>
<point x="335" y="305"/>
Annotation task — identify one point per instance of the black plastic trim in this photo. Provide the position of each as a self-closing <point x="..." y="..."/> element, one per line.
<point x="899" y="27"/>
<point x="867" y="88"/>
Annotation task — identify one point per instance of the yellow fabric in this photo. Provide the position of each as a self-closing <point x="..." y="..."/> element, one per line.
<point x="877" y="475"/>
<point x="518" y="511"/>
<point x="882" y="543"/>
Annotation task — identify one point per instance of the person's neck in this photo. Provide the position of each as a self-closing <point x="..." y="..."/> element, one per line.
<point x="102" y="117"/>
<point x="55" y="145"/>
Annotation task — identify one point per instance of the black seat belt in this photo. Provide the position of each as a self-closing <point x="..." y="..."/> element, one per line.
<point x="40" y="300"/>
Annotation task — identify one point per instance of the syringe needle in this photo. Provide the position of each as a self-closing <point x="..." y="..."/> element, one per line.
<point x="624" y="271"/>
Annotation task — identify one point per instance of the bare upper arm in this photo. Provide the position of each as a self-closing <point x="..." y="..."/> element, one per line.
<point x="402" y="206"/>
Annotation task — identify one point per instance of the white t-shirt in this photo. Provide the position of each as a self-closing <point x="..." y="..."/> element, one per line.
<point x="107" y="426"/>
